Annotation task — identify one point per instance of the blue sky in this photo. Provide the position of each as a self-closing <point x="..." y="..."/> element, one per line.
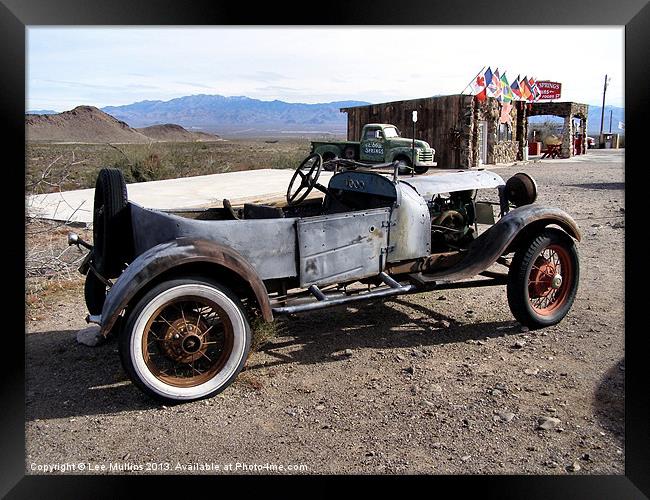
<point x="101" y="66"/>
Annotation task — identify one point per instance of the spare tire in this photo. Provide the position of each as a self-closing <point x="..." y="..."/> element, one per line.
<point x="110" y="247"/>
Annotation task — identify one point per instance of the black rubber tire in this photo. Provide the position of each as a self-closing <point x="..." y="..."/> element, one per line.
<point x="519" y="273"/>
<point x="155" y="388"/>
<point x="349" y="153"/>
<point x="109" y="245"/>
<point x="404" y="167"/>
<point x="94" y="293"/>
<point x="421" y="170"/>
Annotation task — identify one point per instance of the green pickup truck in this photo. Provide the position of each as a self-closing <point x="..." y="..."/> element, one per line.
<point x="380" y="143"/>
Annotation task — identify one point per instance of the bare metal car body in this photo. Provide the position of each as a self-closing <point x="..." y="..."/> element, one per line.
<point x="395" y="235"/>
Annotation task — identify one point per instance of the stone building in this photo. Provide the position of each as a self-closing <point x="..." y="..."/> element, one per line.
<point x="464" y="131"/>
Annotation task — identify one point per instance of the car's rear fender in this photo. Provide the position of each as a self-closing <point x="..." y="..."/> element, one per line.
<point x="183" y="255"/>
<point x="505" y="236"/>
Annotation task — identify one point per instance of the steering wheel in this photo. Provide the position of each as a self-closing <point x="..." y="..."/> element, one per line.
<point x="308" y="181"/>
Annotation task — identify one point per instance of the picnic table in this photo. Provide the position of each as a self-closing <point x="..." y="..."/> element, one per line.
<point x="552" y="151"/>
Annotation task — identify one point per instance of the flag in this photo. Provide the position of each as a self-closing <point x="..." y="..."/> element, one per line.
<point x="525" y="89"/>
<point x="478" y="85"/>
<point x="488" y="76"/>
<point x="515" y="89"/>
<point x="533" y="88"/>
<point x="481" y="96"/>
<point x="505" y="113"/>
<point x="495" y="87"/>
<point x="506" y="91"/>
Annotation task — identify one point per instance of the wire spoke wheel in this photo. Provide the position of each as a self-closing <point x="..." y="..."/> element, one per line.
<point x="543" y="279"/>
<point x="550" y="279"/>
<point x="187" y="341"/>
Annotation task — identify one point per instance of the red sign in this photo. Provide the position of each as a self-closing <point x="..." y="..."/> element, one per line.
<point x="549" y="90"/>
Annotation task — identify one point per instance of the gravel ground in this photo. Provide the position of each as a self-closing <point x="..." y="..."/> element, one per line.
<point x="442" y="382"/>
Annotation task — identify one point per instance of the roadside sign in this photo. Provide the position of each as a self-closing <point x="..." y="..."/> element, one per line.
<point x="549" y="90"/>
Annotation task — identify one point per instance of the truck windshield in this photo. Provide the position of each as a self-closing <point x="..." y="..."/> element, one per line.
<point x="390" y="132"/>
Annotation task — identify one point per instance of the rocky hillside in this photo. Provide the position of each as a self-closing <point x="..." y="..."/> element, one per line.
<point x="81" y="124"/>
<point x="175" y="133"/>
<point x="92" y="125"/>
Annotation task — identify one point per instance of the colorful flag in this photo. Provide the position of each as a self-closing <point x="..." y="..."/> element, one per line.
<point x="506" y="91"/>
<point x="488" y="76"/>
<point x="495" y="87"/>
<point x="525" y="89"/>
<point x="533" y="88"/>
<point x="515" y="89"/>
<point x="505" y="117"/>
<point x="478" y="85"/>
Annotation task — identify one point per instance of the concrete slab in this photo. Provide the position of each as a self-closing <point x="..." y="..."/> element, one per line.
<point x="189" y="192"/>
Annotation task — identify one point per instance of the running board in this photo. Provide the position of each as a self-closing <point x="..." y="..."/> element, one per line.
<point x="322" y="301"/>
<point x="421" y="279"/>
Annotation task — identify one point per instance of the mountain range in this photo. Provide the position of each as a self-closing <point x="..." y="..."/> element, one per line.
<point x="236" y="115"/>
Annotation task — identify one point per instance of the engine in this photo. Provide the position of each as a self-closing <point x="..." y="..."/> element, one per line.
<point x="452" y="219"/>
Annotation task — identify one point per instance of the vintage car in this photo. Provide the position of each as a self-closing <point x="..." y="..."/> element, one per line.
<point x="181" y="289"/>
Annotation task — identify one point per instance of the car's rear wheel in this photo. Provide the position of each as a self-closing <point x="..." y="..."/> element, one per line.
<point x="186" y="339"/>
<point x="543" y="279"/>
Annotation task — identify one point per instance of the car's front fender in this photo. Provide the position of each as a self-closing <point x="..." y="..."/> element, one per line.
<point x="502" y="238"/>
<point x="166" y="256"/>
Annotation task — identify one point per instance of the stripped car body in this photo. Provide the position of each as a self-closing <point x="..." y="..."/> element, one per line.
<point x="393" y="235"/>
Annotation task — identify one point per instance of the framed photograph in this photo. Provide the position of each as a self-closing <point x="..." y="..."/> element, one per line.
<point x="386" y="242"/>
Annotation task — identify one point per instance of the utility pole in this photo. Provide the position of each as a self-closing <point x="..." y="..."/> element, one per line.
<point x="602" y="113"/>
<point x="610" y="121"/>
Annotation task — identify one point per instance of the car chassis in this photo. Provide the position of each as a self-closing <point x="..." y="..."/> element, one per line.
<point x="188" y="283"/>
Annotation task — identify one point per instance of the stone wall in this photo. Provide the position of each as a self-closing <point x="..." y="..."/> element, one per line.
<point x="505" y="151"/>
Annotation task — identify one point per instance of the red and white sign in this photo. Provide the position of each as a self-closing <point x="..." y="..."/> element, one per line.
<point x="549" y="90"/>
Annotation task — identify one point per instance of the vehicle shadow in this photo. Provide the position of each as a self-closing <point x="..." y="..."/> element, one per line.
<point x="66" y="379"/>
<point x="609" y="399"/>
<point x="380" y="325"/>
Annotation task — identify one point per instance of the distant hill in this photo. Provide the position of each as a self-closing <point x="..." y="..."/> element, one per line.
<point x="170" y="132"/>
<point x="90" y="124"/>
<point x="593" y="120"/>
<point x="41" y="112"/>
<point x="81" y="124"/>
<point x="236" y="114"/>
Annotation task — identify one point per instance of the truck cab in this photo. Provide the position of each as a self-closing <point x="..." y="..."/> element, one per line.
<point x="380" y="143"/>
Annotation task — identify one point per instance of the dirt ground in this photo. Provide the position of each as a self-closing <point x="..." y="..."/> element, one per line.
<point x="438" y="383"/>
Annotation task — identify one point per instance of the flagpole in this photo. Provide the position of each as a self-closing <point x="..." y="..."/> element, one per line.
<point x="470" y="82"/>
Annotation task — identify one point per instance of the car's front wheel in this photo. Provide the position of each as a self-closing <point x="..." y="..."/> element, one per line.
<point x="186" y="339"/>
<point x="543" y="279"/>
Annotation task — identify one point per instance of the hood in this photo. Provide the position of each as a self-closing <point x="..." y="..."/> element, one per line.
<point x="406" y="142"/>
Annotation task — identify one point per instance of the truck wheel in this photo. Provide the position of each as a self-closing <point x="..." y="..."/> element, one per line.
<point x="186" y="339"/>
<point x="543" y="279"/>
<point x="404" y="164"/>
<point x="110" y="200"/>
<point x="349" y="153"/>
<point x="421" y="170"/>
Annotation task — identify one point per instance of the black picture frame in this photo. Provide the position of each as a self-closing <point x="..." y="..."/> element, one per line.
<point x="15" y="15"/>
